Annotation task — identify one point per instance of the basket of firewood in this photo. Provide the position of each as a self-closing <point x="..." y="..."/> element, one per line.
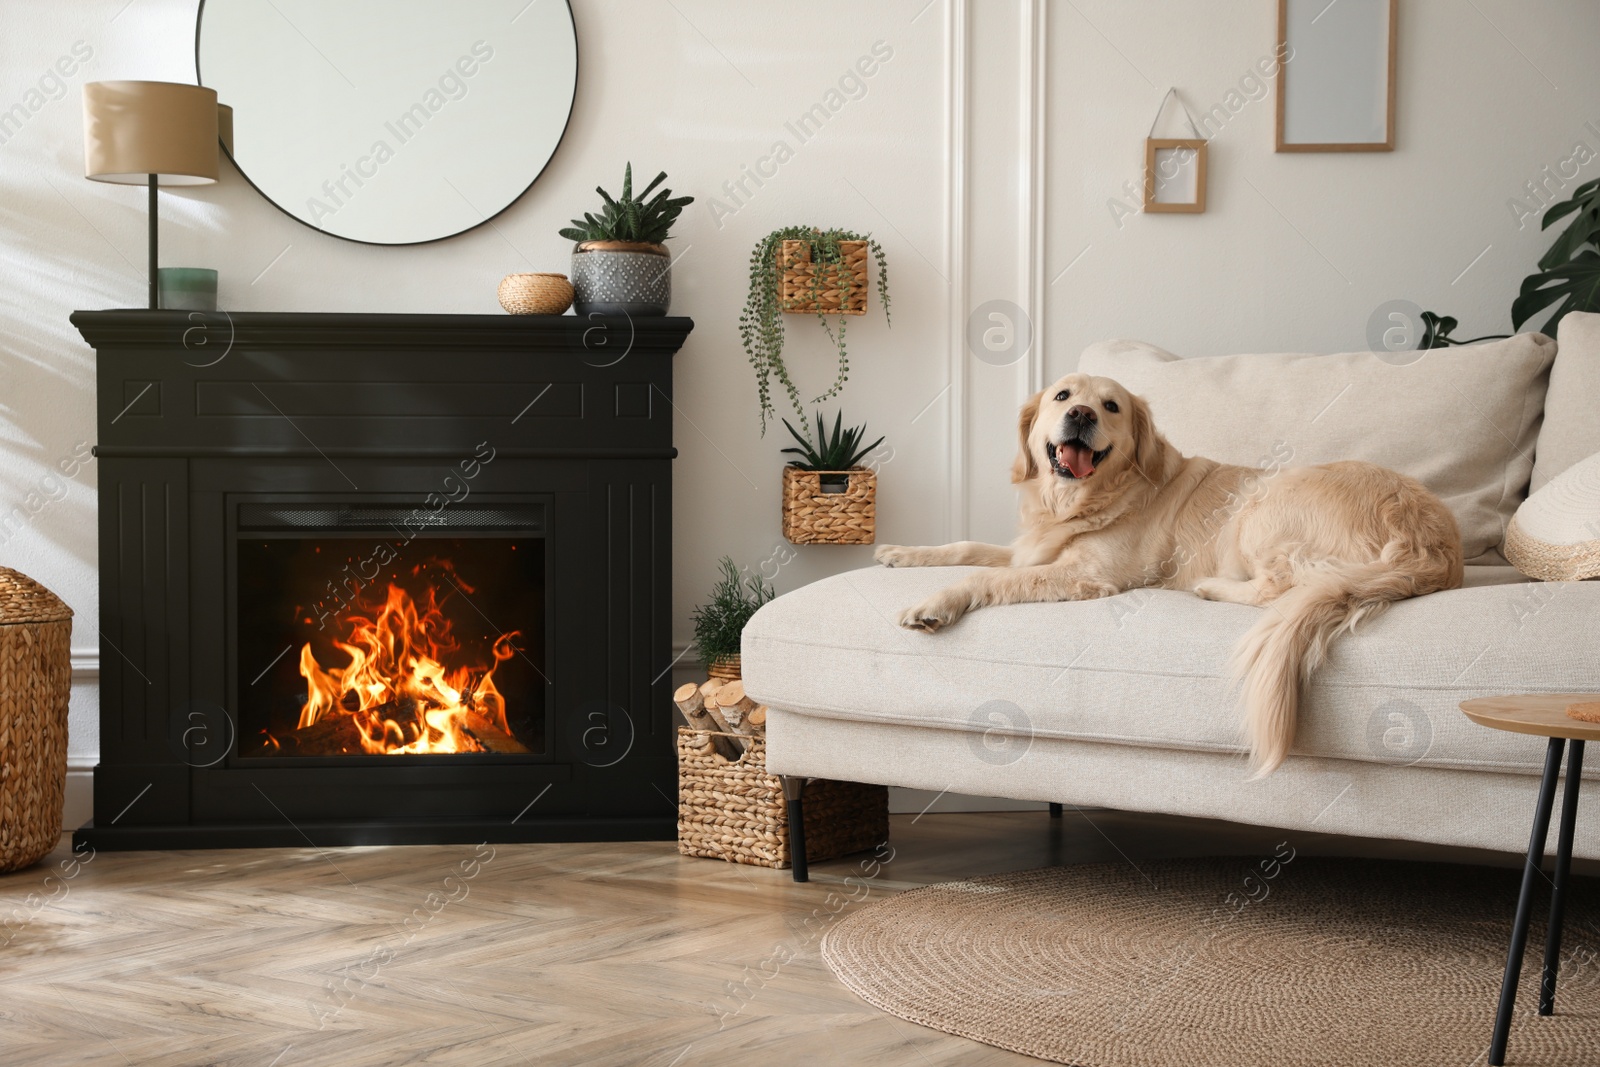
<point x="730" y="808"/>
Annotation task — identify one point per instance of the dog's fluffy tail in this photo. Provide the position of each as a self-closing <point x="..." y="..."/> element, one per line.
<point x="1278" y="654"/>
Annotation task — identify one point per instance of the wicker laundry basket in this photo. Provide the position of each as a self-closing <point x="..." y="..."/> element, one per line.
<point x="735" y="811"/>
<point x="35" y="681"/>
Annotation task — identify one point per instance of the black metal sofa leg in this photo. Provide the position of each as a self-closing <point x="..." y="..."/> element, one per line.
<point x="792" y="788"/>
<point x="1055" y="811"/>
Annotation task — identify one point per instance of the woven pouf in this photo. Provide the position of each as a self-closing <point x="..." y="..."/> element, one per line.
<point x="35" y="682"/>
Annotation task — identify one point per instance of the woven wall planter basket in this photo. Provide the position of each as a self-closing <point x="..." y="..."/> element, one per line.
<point x="802" y="290"/>
<point x="813" y="516"/>
<point x="35" y="682"/>
<point x="735" y="811"/>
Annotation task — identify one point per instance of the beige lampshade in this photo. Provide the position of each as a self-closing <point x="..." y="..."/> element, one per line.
<point x="133" y="129"/>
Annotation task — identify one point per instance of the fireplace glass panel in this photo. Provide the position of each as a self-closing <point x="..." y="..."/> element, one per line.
<point x="357" y="645"/>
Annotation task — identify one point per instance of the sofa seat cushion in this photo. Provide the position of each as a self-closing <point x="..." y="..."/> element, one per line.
<point x="1148" y="667"/>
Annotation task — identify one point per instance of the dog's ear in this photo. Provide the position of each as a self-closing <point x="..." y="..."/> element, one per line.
<point x="1148" y="444"/>
<point x="1025" y="466"/>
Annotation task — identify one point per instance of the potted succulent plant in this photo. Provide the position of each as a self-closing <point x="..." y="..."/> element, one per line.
<point x="827" y="498"/>
<point x="620" y="265"/>
<point x="800" y="269"/>
<point x="719" y="623"/>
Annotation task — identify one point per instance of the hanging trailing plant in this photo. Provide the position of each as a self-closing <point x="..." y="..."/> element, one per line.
<point x="761" y="324"/>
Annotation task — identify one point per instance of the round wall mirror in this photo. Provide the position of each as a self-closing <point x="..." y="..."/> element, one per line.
<point x="391" y="121"/>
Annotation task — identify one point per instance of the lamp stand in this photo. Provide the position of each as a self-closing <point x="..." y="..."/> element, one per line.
<point x="153" y="219"/>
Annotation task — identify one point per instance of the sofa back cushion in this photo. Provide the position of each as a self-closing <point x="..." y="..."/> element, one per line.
<point x="1462" y="421"/>
<point x="1572" y="407"/>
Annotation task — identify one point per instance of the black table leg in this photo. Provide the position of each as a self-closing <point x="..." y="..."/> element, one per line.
<point x="1558" y="899"/>
<point x="1055" y="811"/>
<point x="1519" y="926"/>
<point x="793" y="793"/>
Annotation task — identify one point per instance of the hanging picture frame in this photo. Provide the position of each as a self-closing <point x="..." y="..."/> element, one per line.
<point x="1174" y="168"/>
<point x="1336" y="84"/>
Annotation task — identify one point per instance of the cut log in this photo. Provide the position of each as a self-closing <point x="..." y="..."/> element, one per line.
<point x="733" y="703"/>
<point x="688" y="699"/>
<point x="758" y="717"/>
<point x="491" y="737"/>
<point x="697" y="715"/>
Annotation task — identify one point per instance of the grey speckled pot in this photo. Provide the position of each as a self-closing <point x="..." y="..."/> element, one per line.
<point x="619" y="278"/>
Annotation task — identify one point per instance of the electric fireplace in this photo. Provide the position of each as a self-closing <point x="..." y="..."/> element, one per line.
<point x="383" y="578"/>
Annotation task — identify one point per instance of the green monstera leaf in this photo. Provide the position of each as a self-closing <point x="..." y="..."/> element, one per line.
<point x="1580" y="231"/>
<point x="1573" y="286"/>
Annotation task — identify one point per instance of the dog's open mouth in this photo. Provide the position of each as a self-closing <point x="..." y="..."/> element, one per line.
<point x="1074" y="459"/>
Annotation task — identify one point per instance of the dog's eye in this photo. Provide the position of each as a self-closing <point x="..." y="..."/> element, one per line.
<point x="1063" y="394"/>
<point x="1111" y="406"/>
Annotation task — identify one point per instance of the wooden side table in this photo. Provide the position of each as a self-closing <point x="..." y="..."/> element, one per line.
<point x="1543" y="715"/>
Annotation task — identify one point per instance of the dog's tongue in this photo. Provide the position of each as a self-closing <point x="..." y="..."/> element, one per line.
<point x="1077" y="458"/>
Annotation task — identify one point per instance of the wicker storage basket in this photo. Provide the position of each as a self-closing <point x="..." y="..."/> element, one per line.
<point x="535" y="294"/>
<point x="812" y="517"/>
<point x="726" y="670"/>
<point x="798" y="272"/>
<point x="35" y="681"/>
<point x="736" y="811"/>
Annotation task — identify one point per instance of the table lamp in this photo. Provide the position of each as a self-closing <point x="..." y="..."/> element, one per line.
<point x="155" y="133"/>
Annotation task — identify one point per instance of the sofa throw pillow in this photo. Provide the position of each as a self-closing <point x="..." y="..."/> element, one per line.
<point x="1571" y="431"/>
<point x="1462" y="421"/>
<point x="1555" y="534"/>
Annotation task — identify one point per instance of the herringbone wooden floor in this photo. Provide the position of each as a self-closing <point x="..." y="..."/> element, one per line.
<point x="526" y="954"/>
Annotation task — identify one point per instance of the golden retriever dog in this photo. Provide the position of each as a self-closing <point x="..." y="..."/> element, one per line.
<point x="1109" y="505"/>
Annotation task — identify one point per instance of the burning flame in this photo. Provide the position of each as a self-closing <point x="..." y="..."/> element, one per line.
<point x="396" y="688"/>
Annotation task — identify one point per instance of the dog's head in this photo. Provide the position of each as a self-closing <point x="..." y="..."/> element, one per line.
<point x="1083" y="431"/>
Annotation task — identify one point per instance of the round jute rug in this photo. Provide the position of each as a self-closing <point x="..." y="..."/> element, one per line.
<point x="1268" y="962"/>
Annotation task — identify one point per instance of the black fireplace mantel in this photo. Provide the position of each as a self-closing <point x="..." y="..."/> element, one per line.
<point x="203" y="416"/>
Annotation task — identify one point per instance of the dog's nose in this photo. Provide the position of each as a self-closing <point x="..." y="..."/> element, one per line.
<point x="1081" y="413"/>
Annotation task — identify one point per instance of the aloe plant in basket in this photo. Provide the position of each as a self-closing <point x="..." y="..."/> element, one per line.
<point x="827" y="497"/>
<point x="621" y="265"/>
<point x="836" y="453"/>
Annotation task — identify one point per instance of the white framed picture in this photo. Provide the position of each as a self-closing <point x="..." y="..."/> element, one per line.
<point x="1336" y="85"/>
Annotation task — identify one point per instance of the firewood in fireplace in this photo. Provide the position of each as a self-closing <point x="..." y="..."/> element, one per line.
<point x="335" y="735"/>
<point x="491" y="737"/>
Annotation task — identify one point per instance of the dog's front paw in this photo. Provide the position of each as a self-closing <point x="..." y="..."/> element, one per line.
<point x="932" y="614"/>
<point x="895" y="556"/>
<point x="1088" y="589"/>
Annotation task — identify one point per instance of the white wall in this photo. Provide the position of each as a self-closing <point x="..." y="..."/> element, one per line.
<point x="982" y="155"/>
<point x="1296" y="250"/>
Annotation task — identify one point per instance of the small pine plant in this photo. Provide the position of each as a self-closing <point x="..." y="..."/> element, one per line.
<point x="719" y="623"/>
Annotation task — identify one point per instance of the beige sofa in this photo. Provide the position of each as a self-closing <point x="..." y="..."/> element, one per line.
<point x="1123" y="703"/>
